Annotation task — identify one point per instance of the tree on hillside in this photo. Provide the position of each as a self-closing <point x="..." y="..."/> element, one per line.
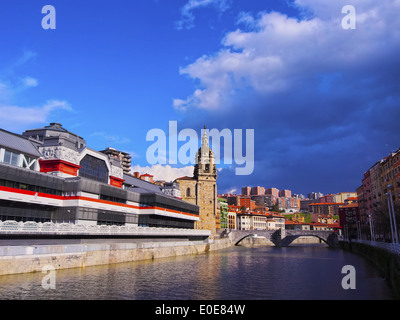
<point x="275" y="207"/>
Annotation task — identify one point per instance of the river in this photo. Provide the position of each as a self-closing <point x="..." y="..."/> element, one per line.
<point x="237" y="273"/>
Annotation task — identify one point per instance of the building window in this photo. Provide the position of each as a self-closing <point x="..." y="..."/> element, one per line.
<point x="94" y="169"/>
<point x="11" y="158"/>
<point x="188" y="192"/>
<point x="29" y="187"/>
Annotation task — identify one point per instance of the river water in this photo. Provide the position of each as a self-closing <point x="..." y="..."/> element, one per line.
<point x="237" y="273"/>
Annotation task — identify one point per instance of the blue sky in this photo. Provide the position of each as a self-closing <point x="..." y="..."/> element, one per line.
<point x="323" y="101"/>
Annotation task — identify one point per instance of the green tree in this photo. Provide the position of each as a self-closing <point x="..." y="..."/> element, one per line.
<point x="275" y="207"/>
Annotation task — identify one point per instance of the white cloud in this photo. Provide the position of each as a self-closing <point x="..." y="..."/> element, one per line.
<point x="133" y="154"/>
<point x="161" y="172"/>
<point x="247" y="19"/>
<point x="5" y="93"/>
<point x="282" y="53"/>
<point x="232" y="191"/>
<point x="26" y="56"/>
<point x="14" y="117"/>
<point x="23" y="59"/>
<point x="309" y="88"/>
<point x="178" y="104"/>
<point x="187" y="16"/>
<point x="110" y="138"/>
<point x="30" y="82"/>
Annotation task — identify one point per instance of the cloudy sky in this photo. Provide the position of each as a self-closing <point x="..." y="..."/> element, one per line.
<point x="323" y="100"/>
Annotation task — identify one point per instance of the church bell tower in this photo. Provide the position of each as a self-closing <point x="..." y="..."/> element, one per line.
<point x="205" y="173"/>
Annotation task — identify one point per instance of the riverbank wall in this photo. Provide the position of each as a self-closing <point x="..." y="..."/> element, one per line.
<point x="36" y="258"/>
<point x="33" y="258"/>
<point x="386" y="262"/>
<point x="255" y="241"/>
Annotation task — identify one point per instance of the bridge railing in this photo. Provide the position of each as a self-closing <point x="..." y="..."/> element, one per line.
<point x="31" y="227"/>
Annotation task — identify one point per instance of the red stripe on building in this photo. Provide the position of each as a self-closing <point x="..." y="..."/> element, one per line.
<point x="58" y="165"/>
<point x="51" y="196"/>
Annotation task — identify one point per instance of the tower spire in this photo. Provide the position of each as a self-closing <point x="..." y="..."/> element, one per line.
<point x="204" y="141"/>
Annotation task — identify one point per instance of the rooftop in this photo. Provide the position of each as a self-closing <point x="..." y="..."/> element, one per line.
<point x="350" y="205"/>
<point x="326" y="204"/>
<point x="185" y="178"/>
<point x="54" y="126"/>
<point x="141" y="185"/>
<point x="19" y="143"/>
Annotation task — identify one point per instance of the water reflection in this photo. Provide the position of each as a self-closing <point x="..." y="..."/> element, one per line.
<point x="298" y="272"/>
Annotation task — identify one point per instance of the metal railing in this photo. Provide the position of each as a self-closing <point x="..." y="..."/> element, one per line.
<point x="391" y="247"/>
<point x="31" y="227"/>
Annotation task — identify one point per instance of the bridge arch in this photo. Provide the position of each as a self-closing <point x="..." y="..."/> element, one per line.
<point x="283" y="238"/>
<point x="287" y="241"/>
<point x="242" y="238"/>
<point x="236" y="236"/>
<point x="329" y="238"/>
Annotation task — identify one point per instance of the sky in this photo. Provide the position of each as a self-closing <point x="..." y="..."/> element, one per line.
<point x="323" y="99"/>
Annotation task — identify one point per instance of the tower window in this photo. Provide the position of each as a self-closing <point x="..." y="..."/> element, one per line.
<point x="188" y="192"/>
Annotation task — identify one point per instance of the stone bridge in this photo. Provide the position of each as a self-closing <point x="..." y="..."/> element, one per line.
<point x="283" y="238"/>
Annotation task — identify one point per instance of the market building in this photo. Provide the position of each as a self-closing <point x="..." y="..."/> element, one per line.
<point x="50" y="175"/>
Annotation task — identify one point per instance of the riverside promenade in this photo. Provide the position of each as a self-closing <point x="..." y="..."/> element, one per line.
<point x="30" y="247"/>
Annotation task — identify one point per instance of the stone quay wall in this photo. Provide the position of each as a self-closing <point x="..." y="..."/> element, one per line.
<point x="387" y="262"/>
<point x="32" y="258"/>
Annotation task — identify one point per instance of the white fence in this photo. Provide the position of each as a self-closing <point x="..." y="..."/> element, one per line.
<point x="392" y="247"/>
<point x="31" y="227"/>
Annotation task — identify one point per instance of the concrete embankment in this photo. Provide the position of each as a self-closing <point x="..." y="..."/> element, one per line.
<point x="388" y="263"/>
<point x="22" y="257"/>
<point x="32" y="258"/>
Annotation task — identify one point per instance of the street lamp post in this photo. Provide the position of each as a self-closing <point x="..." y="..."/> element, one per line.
<point x="358" y="233"/>
<point x="393" y="213"/>
<point x="392" y="216"/>
<point x="371" y="227"/>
